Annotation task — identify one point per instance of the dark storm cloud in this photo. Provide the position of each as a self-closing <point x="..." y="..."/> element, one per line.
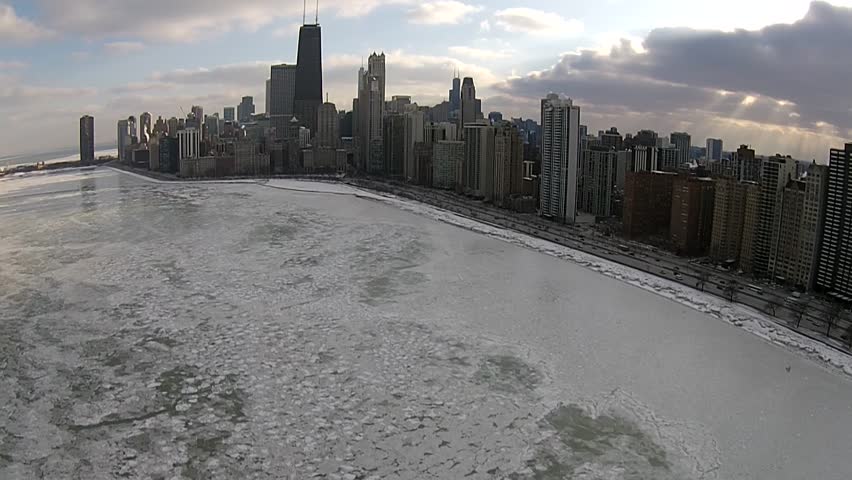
<point x="798" y="74"/>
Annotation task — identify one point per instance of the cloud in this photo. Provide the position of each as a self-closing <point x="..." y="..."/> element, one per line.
<point x="16" y="29"/>
<point x="123" y="48"/>
<point x="536" y="22"/>
<point x="790" y="78"/>
<point x="170" y="21"/>
<point x="441" y="12"/>
<point x="485" y="26"/>
<point x="287" y="31"/>
<point x="481" y="53"/>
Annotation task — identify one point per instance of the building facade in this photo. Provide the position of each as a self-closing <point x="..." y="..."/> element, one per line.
<point x="508" y="163"/>
<point x="692" y="214"/>
<point x="598" y="167"/>
<point x="560" y="158"/>
<point x="415" y="122"/>
<point x="328" y="126"/>
<point x="647" y="203"/>
<point x="245" y="109"/>
<point x="394" y="144"/>
<point x="447" y="155"/>
<point x="834" y="271"/>
<point x="728" y="219"/>
<point x="775" y="173"/>
<point x="682" y="142"/>
<point x="714" y="149"/>
<point x="87" y="139"/>
<point x="478" y="173"/>
<point x="189" y="143"/>
<point x="467" y="109"/>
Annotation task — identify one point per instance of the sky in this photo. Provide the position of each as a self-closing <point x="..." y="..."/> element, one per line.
<point x="774" y="75"/>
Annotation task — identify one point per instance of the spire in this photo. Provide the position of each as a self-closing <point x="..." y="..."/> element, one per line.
<point x="304" y="10"/>
<point x="316" y="18"/>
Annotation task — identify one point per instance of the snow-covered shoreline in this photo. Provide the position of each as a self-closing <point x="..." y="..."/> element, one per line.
<point x="738" y="315"/>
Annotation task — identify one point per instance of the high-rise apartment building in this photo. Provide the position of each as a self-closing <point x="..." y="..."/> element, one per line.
<point x="682" y="141"/>
<point x="328" y="126"/>
<point x="596" y="178"/>
<point x="478" y="175"/>
<point x="87" y="139"/>
<point x="415" y="122"/>
<point x="447" y="156"/>
<point x="714" y="149"/>
<point x="394" y="144"/>
<point x="508" y="163"/>
<point x="228" y="115"/>
<point x="211" y="124"/>
<point x="834" y="271"/>
<point x="775" y="173"/>
<point x="560" y="158"/>
<point x="467" y="110"/>
<point x="647" y="203"/>
<point x="646" y="138"/>
<point x="692" y="214"/>
<point x="398" y="103"/>
<point x="668" y="158"/>
<point x="794" y="252"/>
<point x="751" y="217"/>
<point x="644" y="159"/>
<point x="245" y="109"/>
<point x="307" y="93"/>
<point x="729" y="218"/>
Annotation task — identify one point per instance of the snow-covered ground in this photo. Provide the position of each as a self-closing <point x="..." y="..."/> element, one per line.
<point x="233" y="330"/>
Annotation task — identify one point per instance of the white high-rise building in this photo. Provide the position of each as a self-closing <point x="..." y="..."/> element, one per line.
<point x="560" y="157"/>
<point x="189" y="140"/>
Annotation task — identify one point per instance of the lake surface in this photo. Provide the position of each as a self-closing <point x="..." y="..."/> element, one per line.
<point x="152" y="330"/>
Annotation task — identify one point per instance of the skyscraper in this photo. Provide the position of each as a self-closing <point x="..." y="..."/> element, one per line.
<point x="647" y="203"/>
<point x="145" y="127"/>
<point x="245" y="110"/>
<point x="229" y="114"/>
<point x="369" y="112"/>
<point x="126" y="134"/>
<point x="188" y="143"/>
<point x="455" y="94"/>
<point x="307" y="96"/>
<point x="714" y="149"/>
<point x="729" y="205"/>
<point x="834" y="272"/>
<point x="560" y="157"/>
<point x="282" y="89"/>
<point x="467" y="111"/>
<point x="682" y="141"/>
<point x="87" y="139"/>
<point x="376" y="67"/>
<point x="328" y="126"/>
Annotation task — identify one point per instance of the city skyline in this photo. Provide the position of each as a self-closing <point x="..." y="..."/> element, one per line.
<point x="514" y="59"/>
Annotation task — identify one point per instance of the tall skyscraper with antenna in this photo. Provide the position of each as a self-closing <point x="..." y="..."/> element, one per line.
<point x="308" y="91"/>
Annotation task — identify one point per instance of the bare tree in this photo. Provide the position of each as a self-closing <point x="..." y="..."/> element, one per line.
<point x="800" y="309"/>
<point x="770" y="307"/>
<point x="703" y="277"/>
<point x="832" y="316"/>
<point x="731" y="290"/>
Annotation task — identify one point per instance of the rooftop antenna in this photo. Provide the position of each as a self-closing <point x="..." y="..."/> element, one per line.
<point x="316" y="18"/>
<point x="304" y="10"/>
<point x="326" y="97"/>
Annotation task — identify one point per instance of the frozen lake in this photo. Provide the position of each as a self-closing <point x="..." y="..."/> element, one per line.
<point x="152" y="330"/>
